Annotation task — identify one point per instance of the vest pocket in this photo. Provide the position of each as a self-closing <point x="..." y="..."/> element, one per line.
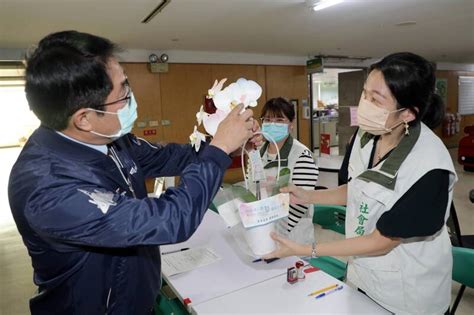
<point x="381" y="279"/>
<point x="377" y="192"/>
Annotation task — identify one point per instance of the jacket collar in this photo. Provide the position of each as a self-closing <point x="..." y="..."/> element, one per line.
<point x="386" y="174"/>
<point x="284" y="153"/>
<point x="63" y="146"/>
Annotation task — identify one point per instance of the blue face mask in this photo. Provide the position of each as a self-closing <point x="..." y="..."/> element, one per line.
<point x="126" y="116"/>
<point x="277" y="131"/>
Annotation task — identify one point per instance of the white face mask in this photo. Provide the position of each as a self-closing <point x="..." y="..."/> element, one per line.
<point x="126" y="116"/>
<point x="373" y="119"/>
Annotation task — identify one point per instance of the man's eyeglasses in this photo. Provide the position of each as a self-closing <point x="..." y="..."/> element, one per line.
<point x="126" y="98"/>
<point x="280" y="120"/>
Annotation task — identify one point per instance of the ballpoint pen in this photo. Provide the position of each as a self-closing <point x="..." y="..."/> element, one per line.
<point x="329" y="292"/>
<point x="175" y="251"/>
<point x="323" y="290"/>
<point x="266" y="260"/>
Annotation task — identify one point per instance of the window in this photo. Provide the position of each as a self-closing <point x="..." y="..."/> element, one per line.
<point x="17" y="122"/>
<point x="466" y="95"/>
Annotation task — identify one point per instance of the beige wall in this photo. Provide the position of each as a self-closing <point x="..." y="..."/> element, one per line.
<point x="177" y="95"/>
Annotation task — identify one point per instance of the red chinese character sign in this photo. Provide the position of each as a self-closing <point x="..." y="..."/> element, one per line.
<point x="325" y="143"/>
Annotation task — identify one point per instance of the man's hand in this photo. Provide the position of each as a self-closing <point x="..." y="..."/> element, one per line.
<point x="254" y="142"/>
<point x="257" y="139"/>
<point x="234" y="130"/>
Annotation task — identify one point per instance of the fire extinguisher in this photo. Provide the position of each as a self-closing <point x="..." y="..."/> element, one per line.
<point x="453" y="124"/>
<point x="446" y="126"/>
<point x="458" y="122"/>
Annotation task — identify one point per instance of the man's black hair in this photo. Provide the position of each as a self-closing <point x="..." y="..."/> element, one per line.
<point x="66" y="72"/>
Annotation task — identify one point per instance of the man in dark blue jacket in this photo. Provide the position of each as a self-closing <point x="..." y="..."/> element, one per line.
<point x="77" y="190"/>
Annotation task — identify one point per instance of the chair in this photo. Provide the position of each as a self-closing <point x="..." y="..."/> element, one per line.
<point x="331" y="266"/>
<point x="165" y="306"/>
<point x="167" y="303"/>
<point x="466" y="149"/>
<point x="330" y="217"/>
<point x="463" y="263"/>
<point x="457" y="239"/>
<point x="461" y="243"/>
<point x="333" y="218"/>
<point x="213" y="207"/>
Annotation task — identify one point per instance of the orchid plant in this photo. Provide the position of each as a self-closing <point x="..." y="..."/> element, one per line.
<point x="243" y="91"/>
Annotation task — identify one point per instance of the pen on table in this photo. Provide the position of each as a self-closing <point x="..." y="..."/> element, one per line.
<point x="176" y="251"/>
<point x="265" y="260"/>
<point x="323" y="290"/>
<point x="329" y="292"/>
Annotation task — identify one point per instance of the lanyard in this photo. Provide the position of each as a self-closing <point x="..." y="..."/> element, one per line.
<point x="122" y="169"/>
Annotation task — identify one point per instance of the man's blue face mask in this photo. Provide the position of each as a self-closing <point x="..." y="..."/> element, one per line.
<point x="126" y="116"/>
<point x="277" y="131"/>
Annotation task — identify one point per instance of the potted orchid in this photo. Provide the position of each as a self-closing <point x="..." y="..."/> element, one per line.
<point x="245" y="212"/>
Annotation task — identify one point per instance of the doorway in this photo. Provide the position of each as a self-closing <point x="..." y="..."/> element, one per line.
<point x="326" y="104"/>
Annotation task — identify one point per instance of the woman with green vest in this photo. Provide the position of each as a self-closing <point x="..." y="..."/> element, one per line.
<point x="400" y="187"/>
<point x="296" y="159"/>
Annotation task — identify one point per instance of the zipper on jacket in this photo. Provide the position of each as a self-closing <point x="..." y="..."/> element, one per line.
<point x="108" y="300"/>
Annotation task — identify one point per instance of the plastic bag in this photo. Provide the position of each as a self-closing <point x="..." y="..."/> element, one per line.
<point x="254" y="240"/>
<point x="253" y="211"/>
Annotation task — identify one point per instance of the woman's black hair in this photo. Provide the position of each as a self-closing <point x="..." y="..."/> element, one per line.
<point x="66" y="72"/>
<point x="279" y="106"/>
<point x="411" y="79"/>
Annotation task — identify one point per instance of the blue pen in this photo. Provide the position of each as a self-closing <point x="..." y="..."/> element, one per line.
<point x="329" y="292"/>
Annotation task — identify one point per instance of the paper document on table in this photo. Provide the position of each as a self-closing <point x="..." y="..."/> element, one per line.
<point x="182" y="261"/>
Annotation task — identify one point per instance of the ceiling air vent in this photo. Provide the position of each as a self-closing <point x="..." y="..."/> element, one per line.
<point x="156" y="10"/>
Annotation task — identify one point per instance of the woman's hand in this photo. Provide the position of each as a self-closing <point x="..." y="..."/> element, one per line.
<point x="298" y="195"/>
<point x="285" y="248"/>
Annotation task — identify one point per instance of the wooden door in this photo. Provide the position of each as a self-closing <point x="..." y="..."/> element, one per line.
<point x="290" y="82"/>
<point x="146" y="88"/>
<point x="183" y="89"/>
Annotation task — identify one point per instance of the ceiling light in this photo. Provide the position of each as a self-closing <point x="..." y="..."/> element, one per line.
<point x="406" y="23"/>
<point x="323" y="4"/>
<point x="155" y="11"/>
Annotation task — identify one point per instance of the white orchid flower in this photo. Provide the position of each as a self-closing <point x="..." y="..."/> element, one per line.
<point x="196" y="138"/>
<point x="223" y="99"/>
<point x="201" y="115"/>
<point x="243" y="91"/>
<point x="212" y="121"/>
<point x="251" y="92"/>
<point x="216" y="88"/>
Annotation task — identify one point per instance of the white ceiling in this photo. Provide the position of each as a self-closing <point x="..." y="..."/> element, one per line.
<point x="444" y="29"/>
